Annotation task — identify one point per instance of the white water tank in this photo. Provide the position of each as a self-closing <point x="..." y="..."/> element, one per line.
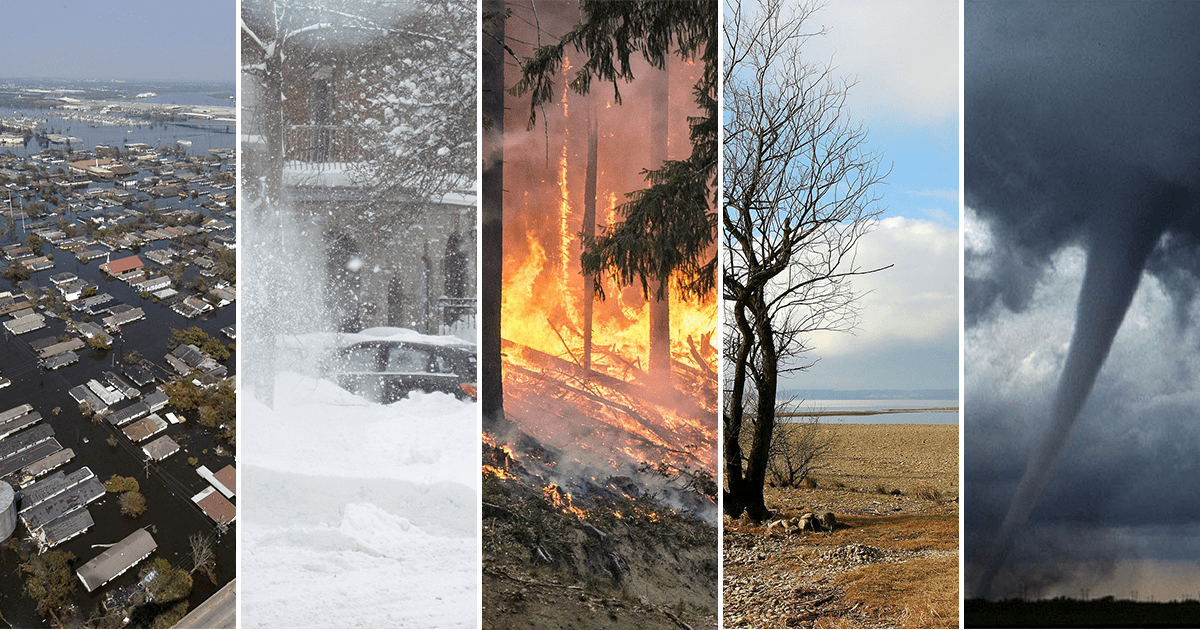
<point x="8" y="510"/>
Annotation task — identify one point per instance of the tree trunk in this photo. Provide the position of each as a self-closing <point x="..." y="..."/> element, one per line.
<point x="766" y="386"/>
<point x="268" y="215"/>
<point x="589" y="228"/>
<point x="660" y="304"/>
<point x="492" y="201"/>
<point x="736" y="478"/>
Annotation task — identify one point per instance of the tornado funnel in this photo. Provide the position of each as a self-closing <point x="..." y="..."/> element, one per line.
<point x="1118" y="246"/>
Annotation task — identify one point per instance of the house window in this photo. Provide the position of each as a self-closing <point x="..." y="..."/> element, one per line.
<point x="456" y="268"/>
<point x="320" y="111"/>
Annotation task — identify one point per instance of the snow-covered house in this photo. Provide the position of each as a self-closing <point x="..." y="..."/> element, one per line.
<point x="376" y="166"/>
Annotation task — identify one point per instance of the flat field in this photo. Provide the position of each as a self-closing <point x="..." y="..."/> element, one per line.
<point x="891" y="562"/>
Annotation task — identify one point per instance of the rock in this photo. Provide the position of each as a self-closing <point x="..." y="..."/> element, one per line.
<point x="828" y="522"/>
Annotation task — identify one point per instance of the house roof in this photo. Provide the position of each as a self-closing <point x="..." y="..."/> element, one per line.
<point x="116" y="559"/>
<point x="121" y="265"/>
<point x="227" y="476"/>
<point x="217" y="507"/>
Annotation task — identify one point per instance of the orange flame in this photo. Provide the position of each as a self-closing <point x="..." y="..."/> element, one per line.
<point x="562" y="500"/>
<point x="630" y="417"/>
<point x="498" y="473"/>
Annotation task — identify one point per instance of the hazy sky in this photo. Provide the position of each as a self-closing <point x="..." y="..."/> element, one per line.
<point x="1077" y="123"/>
<point x="905" y="57"/>
<point x="119" y="39"/>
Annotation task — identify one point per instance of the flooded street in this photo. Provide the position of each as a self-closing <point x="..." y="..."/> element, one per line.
<point x="168" y="486"/>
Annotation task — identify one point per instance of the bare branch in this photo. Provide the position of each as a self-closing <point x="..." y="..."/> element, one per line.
<point x="799" y="192"/>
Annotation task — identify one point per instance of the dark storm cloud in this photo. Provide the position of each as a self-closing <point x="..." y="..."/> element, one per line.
<point x="1070" y="107"/>
<point x="1081" y="129"/>
<point x="1129" y="476"/>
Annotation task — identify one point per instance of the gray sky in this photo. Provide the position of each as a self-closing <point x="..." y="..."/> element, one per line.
<point x="1078" y="118"/>
<point x="122" y="39"/>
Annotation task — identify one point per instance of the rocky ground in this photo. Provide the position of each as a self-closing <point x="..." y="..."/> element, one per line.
<point x="892" y="560"/>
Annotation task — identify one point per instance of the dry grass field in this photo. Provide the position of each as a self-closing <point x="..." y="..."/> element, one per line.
<point x="891" y="562"/>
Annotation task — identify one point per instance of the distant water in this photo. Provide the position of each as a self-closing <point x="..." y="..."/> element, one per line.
<point x="192" y="98"/>
<point x="155" y="134"/>
<point x="913" y="417"/>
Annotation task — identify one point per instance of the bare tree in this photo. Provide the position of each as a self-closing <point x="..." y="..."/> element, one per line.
<point x="797" y="450"/>
<point x="203" y="557"/>
<point x="798" y="446"/>
<point x="799" y="193"/>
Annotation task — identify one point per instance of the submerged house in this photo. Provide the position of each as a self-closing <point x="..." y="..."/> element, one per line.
<point x="116" y="560"/>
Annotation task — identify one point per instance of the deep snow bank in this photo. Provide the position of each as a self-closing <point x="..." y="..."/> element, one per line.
<point x="355" y="514"/>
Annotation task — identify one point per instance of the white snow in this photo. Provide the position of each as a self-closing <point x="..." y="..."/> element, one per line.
<point x="358" y="514"/>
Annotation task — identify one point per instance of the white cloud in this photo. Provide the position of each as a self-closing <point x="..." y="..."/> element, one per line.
<point x="914" y="302"/>
<point x="904" y="53"/>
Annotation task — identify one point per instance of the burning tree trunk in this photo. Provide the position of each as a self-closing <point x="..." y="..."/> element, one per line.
<point x="660" y="303"/>
<point x="589" y="228"/>
<point x="668" y="228"/>
<point x="492" y="392"/>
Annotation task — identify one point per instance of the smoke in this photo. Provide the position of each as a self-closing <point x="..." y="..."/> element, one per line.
<point x="1078" y="132"/>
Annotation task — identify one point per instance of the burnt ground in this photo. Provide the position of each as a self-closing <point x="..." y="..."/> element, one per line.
<point x="891" y="562"/>
<point x="577" y="480"/>
<point x="618" y="560"/>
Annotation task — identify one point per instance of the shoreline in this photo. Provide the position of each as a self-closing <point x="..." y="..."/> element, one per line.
<point x="868" y="412"/>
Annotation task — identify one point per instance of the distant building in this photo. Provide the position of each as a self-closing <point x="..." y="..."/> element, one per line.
<point x="151" y="284"/>
<point x="161" y="448"/>
<point x="191" y="307"/>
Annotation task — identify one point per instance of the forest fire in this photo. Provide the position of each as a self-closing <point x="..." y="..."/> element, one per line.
<point x="605" y="445"/>
<point x="595" y="401"/>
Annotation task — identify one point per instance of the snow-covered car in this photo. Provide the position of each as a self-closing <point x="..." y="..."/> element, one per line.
<point x="386" y="370"/>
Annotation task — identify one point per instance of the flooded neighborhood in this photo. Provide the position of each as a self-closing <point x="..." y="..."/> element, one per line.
<point x="117" y="351"/>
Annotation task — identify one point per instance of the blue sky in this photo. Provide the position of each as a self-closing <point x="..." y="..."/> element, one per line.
<point x="119" y="39"/>
<point x="905" y="58"/>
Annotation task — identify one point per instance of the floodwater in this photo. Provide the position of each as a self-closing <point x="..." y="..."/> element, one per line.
<point x="154" y="133"/>
<point x="168" y="486"/>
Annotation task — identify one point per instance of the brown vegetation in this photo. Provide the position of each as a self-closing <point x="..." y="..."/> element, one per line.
<point x="50" y="582"/>
<point x="891" y="562"/>
<point x="133" y="504"/>
<point x="627" y="564"/>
